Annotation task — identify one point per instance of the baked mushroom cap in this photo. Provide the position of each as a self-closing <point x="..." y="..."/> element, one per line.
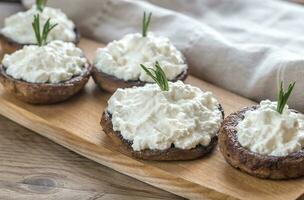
<point x="111" y="83"/>
<point x="170" y="154"/>
<point x="44" y="93"/>
<point x="262" y="166"/>
<point x="8" y="45"/>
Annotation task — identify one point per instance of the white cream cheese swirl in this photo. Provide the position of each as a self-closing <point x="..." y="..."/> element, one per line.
<point x="53" y="63"/>
<point x="122" y="58"/>
<point x="18" y="27"/>
<point x="267" y="132"/>
<point x="154" y="119"/>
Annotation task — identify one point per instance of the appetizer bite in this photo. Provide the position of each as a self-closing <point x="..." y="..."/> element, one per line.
<point x="47" y="72"/>
<point x="266" y="140"/>
<point x="16" y="32"/>
<point x="117" y="64"/>
<point x="163" y="121"/>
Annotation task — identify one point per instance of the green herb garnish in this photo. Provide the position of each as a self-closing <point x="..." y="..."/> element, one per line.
<point x="42" y="37"/>
<point x="146" y="22"/>
<point x="159" y="76"/>
<point x="283" y="96"/>
<point x="40" y="4"/>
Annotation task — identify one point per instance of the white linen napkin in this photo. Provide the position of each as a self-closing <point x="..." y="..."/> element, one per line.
<point x="244" y="46"/>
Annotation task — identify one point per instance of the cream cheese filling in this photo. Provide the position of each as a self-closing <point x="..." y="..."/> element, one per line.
<point x="122" y="58"/>
<point x="267" y="132"/>
<point x="18" y="27"/>
<point x="154" y="119"/>
<point x="53" y="63"/>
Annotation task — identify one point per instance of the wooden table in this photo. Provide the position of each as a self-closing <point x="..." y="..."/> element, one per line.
<point x="33" y="167"/>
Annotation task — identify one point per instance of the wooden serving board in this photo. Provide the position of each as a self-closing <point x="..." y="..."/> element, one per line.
<point x="75" y="125"/>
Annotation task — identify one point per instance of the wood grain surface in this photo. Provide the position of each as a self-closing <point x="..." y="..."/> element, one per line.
<point x="33" y="167"/>
<point x="75" y="125"/>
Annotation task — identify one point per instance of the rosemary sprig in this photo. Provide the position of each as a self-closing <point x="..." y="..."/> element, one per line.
<point x="158" y="75"/>
<point x="283" y="96"/>
<point x="40" y="4"/>
<point x="42" y="37"/>
<point x="146" y="22"/>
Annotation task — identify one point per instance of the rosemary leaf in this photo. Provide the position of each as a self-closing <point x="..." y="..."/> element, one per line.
<point x="40" y="4"/>
<point x="46" y="29"/>
<point x="146" y="22"/>
<point x="147" y="70"/>
<point x="283" y="96"/>
<point x="42" y="37"/>
<point x="163" y="76"/>
<point x="36" y="27"/>
<point x="158" y="75"/>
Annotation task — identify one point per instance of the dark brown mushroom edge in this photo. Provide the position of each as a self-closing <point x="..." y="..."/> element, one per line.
<point x="170" y="154"/>
<point x="262" y="166"/>
<point x="9" y="45"/>
<point x="44" y="93"/>
<point x="110" y="83"/>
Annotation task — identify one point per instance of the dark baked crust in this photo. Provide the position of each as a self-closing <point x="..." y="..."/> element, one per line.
<point x="111" y="83"/>
<point x="263" y="166"/>
<point x="44" y="93"/>
<point x="170" y="154"/>
<point x="9" y="46"/>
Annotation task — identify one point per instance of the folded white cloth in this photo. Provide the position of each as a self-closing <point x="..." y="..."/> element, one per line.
<point x="244" y="46"/>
